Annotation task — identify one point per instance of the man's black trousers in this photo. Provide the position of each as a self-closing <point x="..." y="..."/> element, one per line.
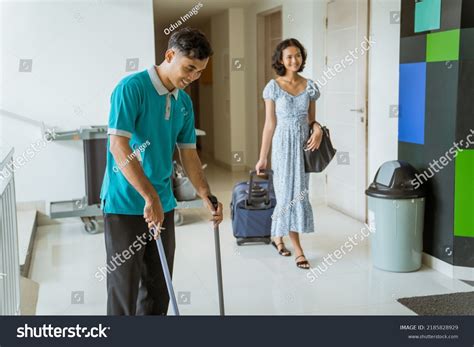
<point x="135" y="281"/>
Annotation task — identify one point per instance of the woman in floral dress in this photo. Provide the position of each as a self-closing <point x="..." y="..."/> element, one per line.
<point x="290" y="110"/>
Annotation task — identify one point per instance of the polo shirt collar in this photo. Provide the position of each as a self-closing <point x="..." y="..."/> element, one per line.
<point x="159" y="86"/>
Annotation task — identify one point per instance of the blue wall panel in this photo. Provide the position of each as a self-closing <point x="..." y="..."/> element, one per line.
<point x="411" y="122"/>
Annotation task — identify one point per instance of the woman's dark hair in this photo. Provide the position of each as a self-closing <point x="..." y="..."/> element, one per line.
<point x="278" y="55"/>
<point x="191" y="42"/>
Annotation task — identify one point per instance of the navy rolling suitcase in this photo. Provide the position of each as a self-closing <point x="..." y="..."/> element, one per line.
<point x="251" y="208"/>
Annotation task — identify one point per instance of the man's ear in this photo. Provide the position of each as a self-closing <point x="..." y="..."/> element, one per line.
<point x="169" y="55"/>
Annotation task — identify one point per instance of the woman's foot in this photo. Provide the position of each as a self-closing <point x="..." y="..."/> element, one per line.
<point x="280" y="247"/>
<point x="300" y="259"/>
<point x="301" y="262"/>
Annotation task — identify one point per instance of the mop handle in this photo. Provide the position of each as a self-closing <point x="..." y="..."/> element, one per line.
<point x="166" y="272"/>
<point x="215" y="204"/>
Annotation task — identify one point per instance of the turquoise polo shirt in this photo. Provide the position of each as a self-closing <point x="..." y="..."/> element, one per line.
<point x="155" y="120"/>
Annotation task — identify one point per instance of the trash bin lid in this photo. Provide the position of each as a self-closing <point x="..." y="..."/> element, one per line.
<point x="396" y="179"/>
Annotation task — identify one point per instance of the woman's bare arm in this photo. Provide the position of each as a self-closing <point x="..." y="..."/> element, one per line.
<point x="315" y="139"/>
<point x="312" y="112"/>
<point x="268" y="129"/>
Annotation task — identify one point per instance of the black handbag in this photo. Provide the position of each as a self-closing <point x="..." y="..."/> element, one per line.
<point x="317" y="160"/>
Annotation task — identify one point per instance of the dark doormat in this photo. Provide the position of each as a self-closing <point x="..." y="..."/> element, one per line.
<point x="456" y="304"/>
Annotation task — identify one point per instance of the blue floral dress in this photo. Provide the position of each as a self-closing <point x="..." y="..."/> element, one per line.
<point x="293" y="210"/>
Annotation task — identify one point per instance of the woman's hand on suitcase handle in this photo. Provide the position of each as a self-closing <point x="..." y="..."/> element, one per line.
<point x="154" y="215"/>
<point x="261" y="165"/>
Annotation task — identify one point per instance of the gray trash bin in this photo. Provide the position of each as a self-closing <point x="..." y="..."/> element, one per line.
<point x="396" y="213"/>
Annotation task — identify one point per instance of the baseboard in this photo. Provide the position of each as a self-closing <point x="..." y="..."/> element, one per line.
<point x="452" y="271"/>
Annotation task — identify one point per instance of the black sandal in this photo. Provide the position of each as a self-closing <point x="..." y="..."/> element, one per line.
<point x="283" y="251"/>
<point x="304" y="264"/>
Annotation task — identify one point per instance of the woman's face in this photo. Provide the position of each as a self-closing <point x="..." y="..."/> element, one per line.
<point x="292" y="58"/>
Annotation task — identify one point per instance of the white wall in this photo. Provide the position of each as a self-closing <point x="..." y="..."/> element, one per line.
<point x="221" y="87"/>
<point x="253" y="96"/>
<point x="79" y="53"/>
<point x="237" y="40"/>
<point x="228" y="38"/>
<point x="383" y="85"/>
<point x="318" y="181"/>
<point x="206" y="92"/>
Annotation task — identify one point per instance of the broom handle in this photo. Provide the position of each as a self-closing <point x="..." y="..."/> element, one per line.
<point x="215" y="204"/>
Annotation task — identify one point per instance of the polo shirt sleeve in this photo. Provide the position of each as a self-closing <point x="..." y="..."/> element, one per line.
<point x="187" y="135"/>
<point x="124" y="109"/>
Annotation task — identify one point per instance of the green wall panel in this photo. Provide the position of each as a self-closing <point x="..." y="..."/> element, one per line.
<point x="443" y="46"/>
<point x="464" y="194"/>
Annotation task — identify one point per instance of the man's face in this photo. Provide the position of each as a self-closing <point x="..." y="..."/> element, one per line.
<point x="184" y="70"/>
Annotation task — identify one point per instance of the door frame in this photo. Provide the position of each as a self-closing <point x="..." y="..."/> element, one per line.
<point x="261" y="63"/>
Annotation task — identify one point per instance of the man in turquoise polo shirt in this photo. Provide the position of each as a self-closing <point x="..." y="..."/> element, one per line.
<point x="150" y="114"/>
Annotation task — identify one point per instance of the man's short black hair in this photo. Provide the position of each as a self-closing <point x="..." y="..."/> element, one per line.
<point x="192" y="43"/>
<point x="278" y="55"/>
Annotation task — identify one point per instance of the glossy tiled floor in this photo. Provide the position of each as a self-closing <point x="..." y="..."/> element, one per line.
<point x="256" y="279"/>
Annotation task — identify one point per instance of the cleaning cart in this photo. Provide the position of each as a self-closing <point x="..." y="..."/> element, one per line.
<point x="87" y="208"/>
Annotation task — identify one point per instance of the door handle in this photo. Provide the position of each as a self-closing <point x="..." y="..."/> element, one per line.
<point x="358" y="110"/>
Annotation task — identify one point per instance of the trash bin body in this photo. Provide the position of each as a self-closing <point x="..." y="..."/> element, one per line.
<point x="397" y="233"/>
<point x="396" y="218"/>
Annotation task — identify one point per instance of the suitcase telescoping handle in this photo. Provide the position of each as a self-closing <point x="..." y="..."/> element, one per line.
<point x="217" y="245"/>
<point x="252" y="174"/>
